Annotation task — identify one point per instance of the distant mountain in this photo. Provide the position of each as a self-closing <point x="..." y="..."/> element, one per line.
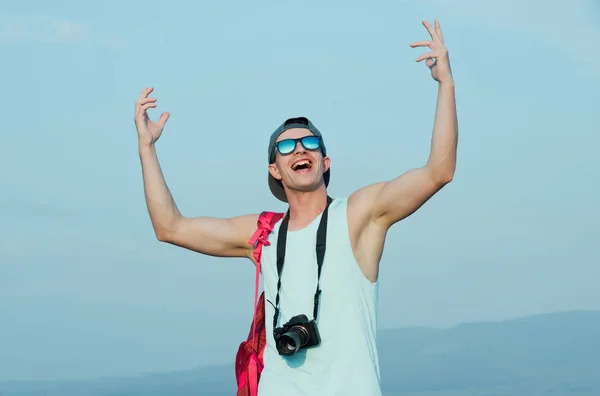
<point x="552" y="354"/>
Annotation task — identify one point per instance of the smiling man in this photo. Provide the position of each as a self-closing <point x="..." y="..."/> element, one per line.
<point x="321" y="269"/>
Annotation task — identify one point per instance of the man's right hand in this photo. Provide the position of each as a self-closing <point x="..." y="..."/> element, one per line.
<point x="148" y="130"/>
<point x="206" y="235"/>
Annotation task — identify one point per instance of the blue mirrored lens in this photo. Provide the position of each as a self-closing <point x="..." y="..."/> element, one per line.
<point x="310" y="142"/>
<point x="286" y="146"/>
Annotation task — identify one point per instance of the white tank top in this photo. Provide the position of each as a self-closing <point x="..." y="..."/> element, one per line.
<point x="346" y="362"/>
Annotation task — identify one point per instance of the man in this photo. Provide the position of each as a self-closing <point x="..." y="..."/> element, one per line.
<point x="345" y="360"/>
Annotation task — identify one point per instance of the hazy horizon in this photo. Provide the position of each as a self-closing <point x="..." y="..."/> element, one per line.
<point x="381" y="330"/>
<point x="530" y="356"/>
<point x="85" y="287"/>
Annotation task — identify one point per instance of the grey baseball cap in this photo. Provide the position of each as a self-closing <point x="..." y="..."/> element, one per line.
<point x="300" y="122"/>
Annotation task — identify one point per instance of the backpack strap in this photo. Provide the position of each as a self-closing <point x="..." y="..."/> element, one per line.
<point x="266" y="223"/>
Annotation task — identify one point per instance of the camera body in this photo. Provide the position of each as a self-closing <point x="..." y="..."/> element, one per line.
<point x="299" y="332"/>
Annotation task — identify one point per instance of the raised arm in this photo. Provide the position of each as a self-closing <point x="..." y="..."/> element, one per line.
<point x="375" y="208"/>
<point x="389" y="202"/>
<point x="402" y="196"/>
<point x="206" y="235"/>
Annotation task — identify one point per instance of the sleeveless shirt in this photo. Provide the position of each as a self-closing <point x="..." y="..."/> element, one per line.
<point x="346" y="362"/>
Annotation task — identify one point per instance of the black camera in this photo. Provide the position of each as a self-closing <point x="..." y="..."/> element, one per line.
<point x="297" y="333"/>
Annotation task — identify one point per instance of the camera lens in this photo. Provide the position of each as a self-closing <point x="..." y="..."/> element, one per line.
<point x="291" y="341"/>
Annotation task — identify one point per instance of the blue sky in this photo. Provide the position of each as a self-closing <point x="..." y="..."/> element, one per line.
<point x="86" y="290"/>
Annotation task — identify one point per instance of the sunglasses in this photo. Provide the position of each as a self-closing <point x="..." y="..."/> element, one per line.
<point x="287" y="146"/>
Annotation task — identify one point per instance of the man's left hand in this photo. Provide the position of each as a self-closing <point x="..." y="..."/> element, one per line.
<point x="437" y="60"/>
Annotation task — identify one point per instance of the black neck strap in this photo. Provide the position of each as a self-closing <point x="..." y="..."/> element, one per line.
<point x="320" y="249"/>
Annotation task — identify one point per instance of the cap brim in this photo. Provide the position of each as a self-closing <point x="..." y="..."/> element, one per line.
<point x="277" y="188"/>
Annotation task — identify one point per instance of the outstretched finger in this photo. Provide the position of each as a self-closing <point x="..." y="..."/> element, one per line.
<point x="146" y="92"/>
<point x="438" y="30"/>
<point x="429" y="55"/>
<point x="427" y="43"/>
<point x="432" y="32"/>
<point x="147" y="106"/>
<point x="163" y="119"/>
<point x="429" y="29"/>
<point x="143" y="101"/>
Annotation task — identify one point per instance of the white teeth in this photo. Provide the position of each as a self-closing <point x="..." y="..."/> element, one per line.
<point x="303" y="162"/>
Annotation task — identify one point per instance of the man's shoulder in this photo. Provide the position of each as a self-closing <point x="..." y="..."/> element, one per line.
<point x="366" y="194"/>
<point x="361" y="202"/>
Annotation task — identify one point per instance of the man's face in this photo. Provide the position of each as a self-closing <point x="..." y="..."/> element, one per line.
<point x="302" y="169"/>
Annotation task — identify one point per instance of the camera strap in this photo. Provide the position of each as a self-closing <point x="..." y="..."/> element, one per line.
<point x="320" y="249"/>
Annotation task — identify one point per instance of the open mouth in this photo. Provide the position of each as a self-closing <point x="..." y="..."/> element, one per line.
<point x="303" y="164"/>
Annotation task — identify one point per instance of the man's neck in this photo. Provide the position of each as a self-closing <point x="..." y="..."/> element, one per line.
<point x="305" y="207"/>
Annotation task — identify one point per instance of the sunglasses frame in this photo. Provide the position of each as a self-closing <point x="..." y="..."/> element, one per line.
<point x="296" y="140"/>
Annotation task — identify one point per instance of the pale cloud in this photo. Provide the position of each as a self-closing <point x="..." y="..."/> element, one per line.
<point x="47" y="29"/>
<point x="568" y="26"/>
